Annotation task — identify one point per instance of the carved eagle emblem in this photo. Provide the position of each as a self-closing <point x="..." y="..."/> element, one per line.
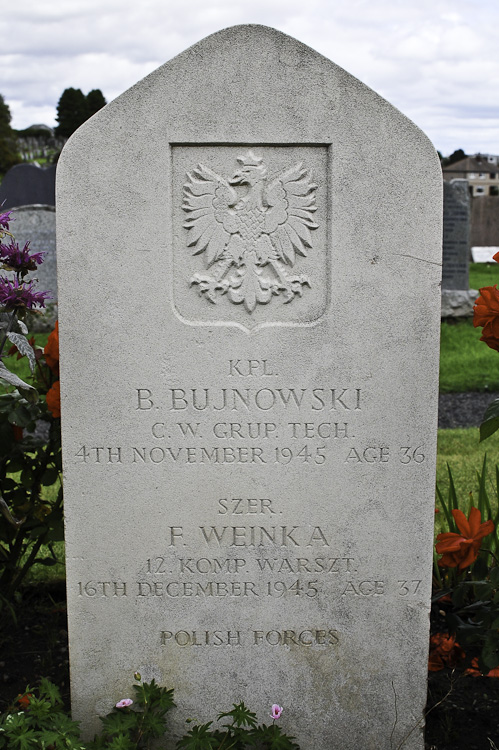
<point x="250" y="235"/>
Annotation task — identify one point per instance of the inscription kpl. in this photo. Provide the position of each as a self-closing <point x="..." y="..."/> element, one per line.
<point x="250" y="240"/>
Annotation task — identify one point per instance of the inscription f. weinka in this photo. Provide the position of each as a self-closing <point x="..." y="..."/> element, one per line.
<point x="249" y="240"/>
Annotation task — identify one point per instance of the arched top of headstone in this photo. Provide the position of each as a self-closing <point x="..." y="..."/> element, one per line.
<point x="34" y="207"/>
<point x="268" y="84"/>
<point x="28" y="184"/>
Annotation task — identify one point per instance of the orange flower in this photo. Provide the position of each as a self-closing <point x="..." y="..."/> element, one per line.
<point x="486" y="314"/>
<point x="23" y="700"/>
<point x="473" y="671"/>
<point x="461" y="550"/>
<point x="444" y="652"/>
<point x="51" y="350"/>
<point x="54" y="399"/>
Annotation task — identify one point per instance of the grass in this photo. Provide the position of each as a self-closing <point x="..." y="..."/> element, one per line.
<point x="483" y="274"/>
<point x="463" y="453"/>
<point x="466" y="363"/>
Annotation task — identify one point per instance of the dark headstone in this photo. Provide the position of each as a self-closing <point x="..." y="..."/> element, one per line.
<point x="456" y="238"/>
<point x="27" y="184"/>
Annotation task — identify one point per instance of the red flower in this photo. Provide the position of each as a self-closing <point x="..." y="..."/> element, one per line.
<point x="18" y="433"/>
<point x="54" y="399"/>
<point x="486" y="315"/>
<point x="461" y="550"/>
<point x="51" y="350"/>
<point x="444" y="652"/>
<point x="473" y="671"/>
<point x="24" y="700"/>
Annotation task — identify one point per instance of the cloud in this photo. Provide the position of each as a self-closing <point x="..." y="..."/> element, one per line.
<point x="434" y="60"/>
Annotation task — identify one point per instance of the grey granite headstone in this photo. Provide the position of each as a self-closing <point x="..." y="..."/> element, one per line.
<point x="36" y="225"/>
<point x="249" y="461"/>
<point x="457" y="298"/>
<point x="456" y="235"/>
<point x="26" y="184"/>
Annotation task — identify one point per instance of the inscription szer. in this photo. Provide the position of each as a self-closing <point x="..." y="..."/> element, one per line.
<point x="245" y="506"/>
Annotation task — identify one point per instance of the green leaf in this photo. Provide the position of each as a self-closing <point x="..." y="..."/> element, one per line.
<point x="490" y="420"/>
<point x="120" y="721"/>
<point x="50" y="476"/>
<point x="29" y="393"/>
<point x="24" y="347"/>
<point x="47" y="561"/>
<point x="50" y="691"/>
<point x="490" y="654"/>
<point x="199" y="738"/>
<point x="241" y="716"/>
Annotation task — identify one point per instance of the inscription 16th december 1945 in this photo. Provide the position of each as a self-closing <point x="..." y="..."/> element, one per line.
<point x="249" y="240"/>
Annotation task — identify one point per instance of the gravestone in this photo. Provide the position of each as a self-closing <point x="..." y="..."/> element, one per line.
<point x="36" y="225"/>
<point x="250" y="458"/>
<point x="27" y="184"/>
<point x="457" y="298"/>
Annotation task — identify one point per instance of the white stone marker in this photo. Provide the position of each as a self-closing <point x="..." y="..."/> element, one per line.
<point x="249" y="258"/>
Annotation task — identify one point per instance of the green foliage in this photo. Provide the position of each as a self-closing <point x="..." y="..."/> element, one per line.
<point x="474" y="615"/>
<point x="95" y="101"/>
<point x="129" y="728"/>
<point x="74" y="108"/>
<point x="31" y="517"/>
<point x="466" y="364"/>
<point x="71" y="112"/>
<point x="457" y="155"/>
<point x="240" y="732"/>
<point x="38" y="721"/>
<point x="490" y="423"/>
<point x="461" y="450"/>
<point x="8" y="145"/>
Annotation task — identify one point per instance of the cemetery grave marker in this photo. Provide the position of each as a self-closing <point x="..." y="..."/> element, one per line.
<point x="26" y="185"/>
<point x="250" y="455"/>
<point x="36" y="225"/>
<point x="457" y="298"/>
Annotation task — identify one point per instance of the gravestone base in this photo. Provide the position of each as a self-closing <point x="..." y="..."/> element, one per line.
<point x="458" y="303"/>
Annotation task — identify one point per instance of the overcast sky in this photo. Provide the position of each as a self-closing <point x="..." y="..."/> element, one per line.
<point x="436" y="60"/>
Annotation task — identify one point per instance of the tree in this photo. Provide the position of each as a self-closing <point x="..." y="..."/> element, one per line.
<point x="8" y="147"/>
<point x="95" y="101"/>
<point x="71" y="112"/>
<point x="454" y="157"/>
<point x="74" y="108"/>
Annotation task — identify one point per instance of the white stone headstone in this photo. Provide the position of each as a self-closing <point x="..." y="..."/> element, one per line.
<point x="249" y="260"/>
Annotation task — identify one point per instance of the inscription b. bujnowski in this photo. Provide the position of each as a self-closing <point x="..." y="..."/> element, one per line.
<point x="250" y="240"/>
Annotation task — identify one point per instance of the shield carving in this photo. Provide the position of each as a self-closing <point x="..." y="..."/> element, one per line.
<point x="250" y="234"/>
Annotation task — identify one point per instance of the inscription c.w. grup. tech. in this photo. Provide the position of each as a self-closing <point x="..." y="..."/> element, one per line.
<point x="250" y="239"/>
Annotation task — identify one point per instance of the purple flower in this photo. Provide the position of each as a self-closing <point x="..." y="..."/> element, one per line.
<point x="124" y="703"/>
<point x="4" y="220"/>
<point x="19" y="296"/>
<point x="15" y="259"/>
<point x="276" y="712"/>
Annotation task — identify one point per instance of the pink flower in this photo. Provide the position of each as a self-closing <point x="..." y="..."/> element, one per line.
<point x="276" y="711"/>
<point x="124" y="703"/>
